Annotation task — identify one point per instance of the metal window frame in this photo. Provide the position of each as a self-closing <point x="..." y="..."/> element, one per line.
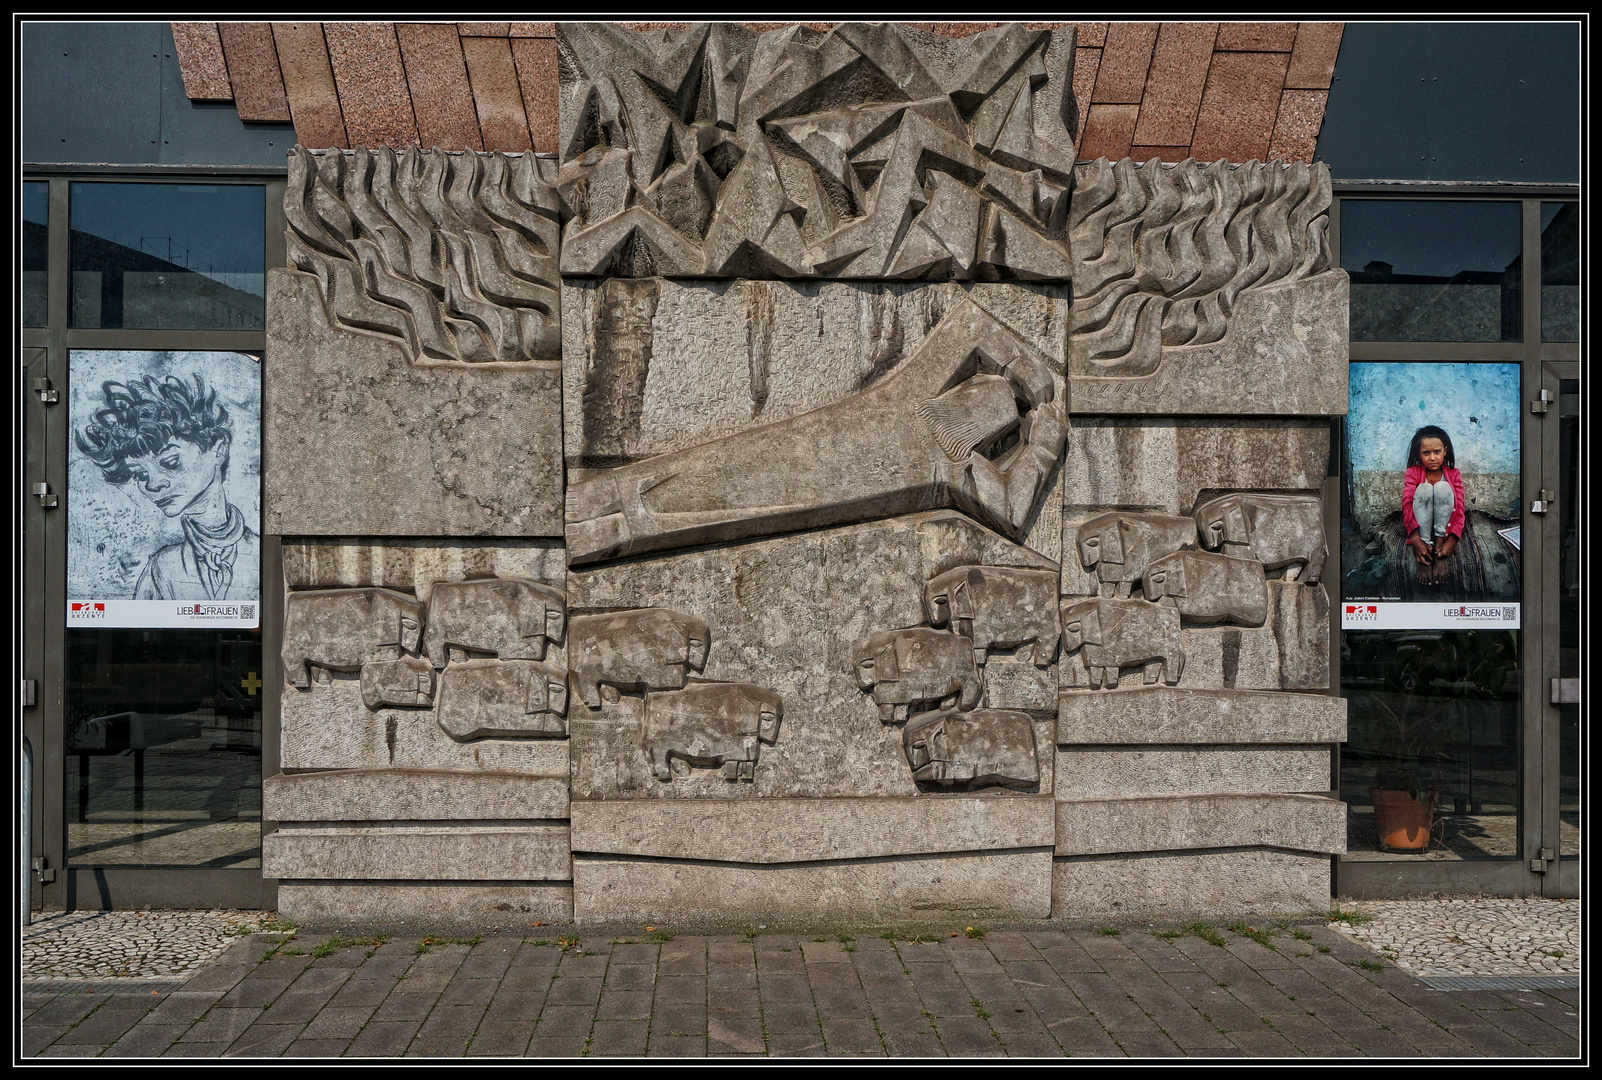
<point x="43" y="588"/>
<point x="1541" y="365"/>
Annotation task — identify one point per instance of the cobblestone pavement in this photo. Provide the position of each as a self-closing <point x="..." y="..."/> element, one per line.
<point x="1246" y="991"/>
<point x="1477" y="936"/>
<point x="140" y="945"/>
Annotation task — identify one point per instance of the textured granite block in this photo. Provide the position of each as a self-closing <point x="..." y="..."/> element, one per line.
<point x="411" y="795"/>
<point x="1123" y="771"/>
<point x="359" y="441"/>
<point x="811" y="830"/>
<point x="1225" y="884"/>
<point x="1161" y="715"/>
<point x="425" y="905"/>
<point x="435" y="852"/>
<point x="787" y="614"/>
<point x="909" y="889"/>
<point x="1181" y="822"/>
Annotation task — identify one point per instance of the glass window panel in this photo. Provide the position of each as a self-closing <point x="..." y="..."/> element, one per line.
<point x="1432" y="713"/>
<point x="35" y="251"/>
<point x="1432" y="271"/>
<point x="168" y="256"/>
<point x="163" y="747"/>
<point x="1560" y="271"/>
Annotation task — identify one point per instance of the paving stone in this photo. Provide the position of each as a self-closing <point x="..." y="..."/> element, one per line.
<point x="65" y="1010"/>
<point x="630" y="976"/>
<point x="142" y="1040"/>
<point x="438" y="1046"/>
<point x="683" y="956"/>
<point x="1068" y="959"/>
<point x="361" y="993"/>
<point x="182" y="1007"/>
<point x="71" y="1050"/>
<point x="734" y="1035"/>
<point x="877" y="962"/>
<point x="841" y="1002"/>
<point x="254" y="993"/>
<point x="104" y="1026"/>
<point x="1523" y="1026"/>
<point x="562" y="1047"/>
<point x="462" y="991"/>
<point x="196" y="1049"/>
<point x="401" y="1007"/>
<point x="221" y="1025"/>
<point x="966" y="1035"/>
<point x="1262" y="1042"/>
<point x="790" y="1016"/>
<point x="1305" y="1033"/>
<point x="1108" y="1003"/>
<point x="1031" y="1044"/>
<point x="729" y="977"/>
<point x="796" y="1043"/>
<point x="619" y="1037"/>
<point x="338" y="1022"/>
<point x="625" y="1005"/>
<point x="574" y="991"/>
<point x="1147" y="1044"/>
<point x="923" y="1043"/>
<point x="383" y="1038"/>
<point x="784" y="986"/>
<point x="1010" y="946"/>
<point x="267" y="1040"/>
<point x="852" y="1037"/>
<point x="501" y="1038"/>
<point x="35" y="1037"/>
<point x="682" y="1017"/>
<point x="317" y="1048"/>
<point x="449" y="1021"/>
<point x="296" y="1008"/>
<point x="565" y="1021"/>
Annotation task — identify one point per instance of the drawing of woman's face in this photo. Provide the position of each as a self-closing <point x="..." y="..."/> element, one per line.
<point x="176" y="476"/>
<point x="1432" y="453"/>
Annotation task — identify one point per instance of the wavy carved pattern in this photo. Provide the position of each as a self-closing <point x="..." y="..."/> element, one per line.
<point x="1163" y="253"/>
<point x="868" y="151"/>
<point x="452" y="254"/>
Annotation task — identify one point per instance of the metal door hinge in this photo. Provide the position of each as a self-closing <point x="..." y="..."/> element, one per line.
<point x="46" y="499"/>
<point x="1543" y="503"/>
<point x="1541" y="404"/>
<point x="1565" y="691"/>
<point x="46" y="392"/>
<point x="30" y="693"/>
<point x="41" y="867"/>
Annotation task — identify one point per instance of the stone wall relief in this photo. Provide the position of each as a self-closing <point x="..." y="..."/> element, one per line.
<point x="651" y="653"/>
<point x="1242" y="559"/>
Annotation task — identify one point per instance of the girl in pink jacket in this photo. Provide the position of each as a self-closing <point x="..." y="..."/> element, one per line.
<point x="1433" y="506"/>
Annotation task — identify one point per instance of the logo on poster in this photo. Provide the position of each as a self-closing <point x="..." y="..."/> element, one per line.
<point x="86" y="610"/>
<point x="1362" y="613"/>
<point x="1487" y="613"/>
<point x="215" y="611"/>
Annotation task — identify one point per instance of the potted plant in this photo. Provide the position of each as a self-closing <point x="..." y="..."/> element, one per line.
<point x="1426" y="678"/>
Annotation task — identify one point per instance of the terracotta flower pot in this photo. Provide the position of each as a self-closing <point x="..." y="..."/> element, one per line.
<point x="1403" y="823"/>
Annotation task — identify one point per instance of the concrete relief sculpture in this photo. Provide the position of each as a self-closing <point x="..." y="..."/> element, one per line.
<point x="1120" y="545"/>
<point x="1113" y="634"/>
<point x="997" y="607"/>
<point x="1279" y="531"/>
<point x="343" y="629"/>
<point x="711" y="724"/>
<point x="635" y="652"/>
<point x="972" y="421"/>
<point x="965" y="750"/>
<point x="453" y="254"/>
<point x="1209" y="588"/>
<point x="867" y="151"/>
<point x="407" y="683"/>
<point x="502" y="699"/>
<point x="509" y="618"/>
<point x="1163" y="253"/>
<point x="918" y="670"/>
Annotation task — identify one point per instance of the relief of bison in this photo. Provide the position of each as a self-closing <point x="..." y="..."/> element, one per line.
<point x="1208" y="588"/>
<point x="998" y="607"/>
<point x="1112" y="634"/>
<point x="917" y="670"/>
<point x="510" y="618"/>
<point x="1119" y="546"/>
<point x="1276" y="530"/>
<point x="710" y="724"/>
<point x="982" y="748"/>
<point x="635" y="651"/>
<point x="342" y="629"/>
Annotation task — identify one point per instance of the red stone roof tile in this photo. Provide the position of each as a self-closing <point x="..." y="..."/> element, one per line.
<point x="1313" y="59"/>
<point x="496" y="93"/>
<point x="1256" y="36"/>
<point x="1238" y="108"/>
<point x="372" y="84"/>
<point x="436" y="74"/>
<point x="200" y="58"/>
<point x="536" y="78"/>
<point x="309" y="82"/>
<point x="1301" y="114"/>
<point x="258" y="85"/>
<point x="1109" y="130"/>
<point x="1124" y="62"/>
<point x="1168" y="109"/>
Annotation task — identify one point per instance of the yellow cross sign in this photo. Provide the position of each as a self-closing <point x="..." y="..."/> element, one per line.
<point x="251" y="683"/>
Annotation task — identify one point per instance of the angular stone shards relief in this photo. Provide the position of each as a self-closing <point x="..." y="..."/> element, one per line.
<point x="998" y="607"/>
<point x="1163" y="253"/>
<point x="868" y="151"/>
<point x="452" y="254"/>
<point x="973" y="421"/>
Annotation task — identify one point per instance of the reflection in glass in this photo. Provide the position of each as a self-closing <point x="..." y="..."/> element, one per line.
<point x="1435" y="723"/>
<point x="35" y="251"/>
<point x="1432" y="271"/>
<point x="168" y="256"/>
<point x="164" y="747"/>
<point x="1560" y="271"/>
<point x="1570" y="553"/>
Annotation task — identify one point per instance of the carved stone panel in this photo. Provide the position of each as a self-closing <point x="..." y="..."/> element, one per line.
<point x="1209" y="588"/>
<point x="998" y="607"/>
<point x="502" y="698"/>
<point x="711" y="724"/>
<point x="636" y="651"/>
<point x="1277" y="530"/>
<point x="915" y="671"/>
<point x="342" y="629"/>
<point x="1120" y="545"/>
<point x="973" y="421"/>
<point x="509" y="618"/>
<point x="1114" y="634"/>
<point x="966" y="750"/>
<point x="867" y="151"/>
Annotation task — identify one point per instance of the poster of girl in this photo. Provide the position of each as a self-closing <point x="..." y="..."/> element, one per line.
<point x="1434" y="508"/>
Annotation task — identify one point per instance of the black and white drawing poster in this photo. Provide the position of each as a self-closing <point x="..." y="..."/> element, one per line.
<point x="164" y="489"/>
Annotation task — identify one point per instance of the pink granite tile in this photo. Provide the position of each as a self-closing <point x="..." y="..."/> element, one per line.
<point x="536" y="77"/>
<point x="436" y="74"/>
<point x="200" y="59"/>
<point x="496" y="93"/>
<point x="1301" y="114"/>
<point x="372" y="84"/>
<point x="1312" y="62"/>
<point x="1086" y="63"/>
<point x="1168" y="154"/>
<point x="1092" y="35"/>
<point x="484" y="29"/>
<point x="309" y="82"/>
<point x="1256" y="36"/>
<point x="1124" y="60"/>
<point x="253" y="70"/>
<point x="1238" y="109"/>
<point x="1173" y="92"/>
<point x="1108" y="132"/>
<point x="964" y="29"/>
<point x="533" y="29"/>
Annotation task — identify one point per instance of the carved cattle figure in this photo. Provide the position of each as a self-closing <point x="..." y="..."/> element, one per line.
<point x="1115" y="634"/>
<point x="635" y="651"/>
<point x="917" y="670"/>
<point x="1121" y="544"/>
<point x="981" y="748"/>
<point x="502" y="698"/>
<point x="711" y="724"/>
<point x="997" y="607"/>
<point x="1209" y="588"/>
<point x="342" y="629"/>
<point x="407" y="683"/>
<point x="1276" y="530"/>
<point x="512" y="618"/>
